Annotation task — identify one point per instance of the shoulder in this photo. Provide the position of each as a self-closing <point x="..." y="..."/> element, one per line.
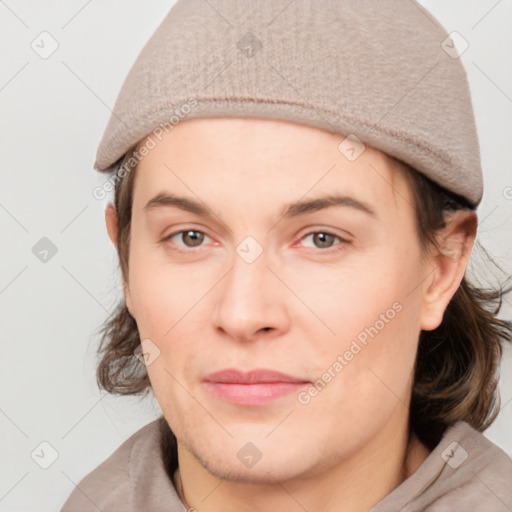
<point x="465" y="471"/>
<point x="109" y="486"/>
<point x="484" y="471"/>
<point x="476" y="474"/>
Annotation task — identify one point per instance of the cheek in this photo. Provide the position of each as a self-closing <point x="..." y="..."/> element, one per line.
<point x="353" y="295"/>
<point x="372" y="310"/>
<point x="163" y="293"/>
<point x="166" y="301"/>
<point x="171" y="311"/>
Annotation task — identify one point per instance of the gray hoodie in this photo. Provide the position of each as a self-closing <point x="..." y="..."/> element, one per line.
<point x="465" y="472"/>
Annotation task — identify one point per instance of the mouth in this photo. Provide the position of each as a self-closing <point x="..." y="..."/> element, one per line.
<point x="256" y="387"/>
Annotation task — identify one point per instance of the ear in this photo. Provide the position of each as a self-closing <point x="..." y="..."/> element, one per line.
<point x="111" y="221"/>
<point x="449" y="262"/>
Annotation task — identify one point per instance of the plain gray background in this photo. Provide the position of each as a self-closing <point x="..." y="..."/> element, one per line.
<point x="54" y="111"/>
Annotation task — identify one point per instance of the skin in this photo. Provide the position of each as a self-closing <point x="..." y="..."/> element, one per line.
<point x="294" y="309"/>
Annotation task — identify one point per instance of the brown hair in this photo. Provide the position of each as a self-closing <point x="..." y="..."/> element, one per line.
<point x="456" y="371"/>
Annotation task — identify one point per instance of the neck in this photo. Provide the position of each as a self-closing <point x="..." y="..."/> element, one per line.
<point x="358" y="482"/>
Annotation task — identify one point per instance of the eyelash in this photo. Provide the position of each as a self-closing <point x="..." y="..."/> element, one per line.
<point x="329" y="250"/>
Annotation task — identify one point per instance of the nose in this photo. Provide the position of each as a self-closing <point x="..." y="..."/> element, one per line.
<point x="251" y="301"/>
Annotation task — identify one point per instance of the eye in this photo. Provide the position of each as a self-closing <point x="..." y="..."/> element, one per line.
<point x="323" y="239"/>
<point x="188" y="237"/>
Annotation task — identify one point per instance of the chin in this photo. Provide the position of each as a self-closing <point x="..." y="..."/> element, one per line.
<point x="260" y="461"/>
<point x="270" y="471"/>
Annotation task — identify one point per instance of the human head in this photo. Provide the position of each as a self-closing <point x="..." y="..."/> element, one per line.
<point x="415" y="207"/>
<point x="301" y="154"/>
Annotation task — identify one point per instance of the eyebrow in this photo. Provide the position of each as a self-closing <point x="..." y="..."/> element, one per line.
<point x="289" y="211"/>
<point x="313" y="205"/>
<point x="162" y="199"/>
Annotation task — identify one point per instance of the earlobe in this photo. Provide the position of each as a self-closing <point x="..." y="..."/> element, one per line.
<point x="111" y="222"/>
<point x="448" y="264"/>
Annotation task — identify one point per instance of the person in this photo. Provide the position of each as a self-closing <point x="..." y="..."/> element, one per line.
<point x="294" y="212"/>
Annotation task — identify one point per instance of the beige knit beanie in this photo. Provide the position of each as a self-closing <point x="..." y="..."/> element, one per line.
<point x="381" y="73"/>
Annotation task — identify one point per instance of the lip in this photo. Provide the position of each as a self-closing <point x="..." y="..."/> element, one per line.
<point x="255" y="387"/>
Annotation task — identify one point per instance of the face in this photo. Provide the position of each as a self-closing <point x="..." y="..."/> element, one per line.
<point x="274" y="252"/>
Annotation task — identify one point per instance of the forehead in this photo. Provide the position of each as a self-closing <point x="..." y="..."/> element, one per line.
<point x="243" y="162"/>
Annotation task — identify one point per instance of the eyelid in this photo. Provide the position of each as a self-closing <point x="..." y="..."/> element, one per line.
<point x="308" y="230"/>
<point x="311" y="231"/>
<point x="334" y="248"/>
<point x="167" y="238"/>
